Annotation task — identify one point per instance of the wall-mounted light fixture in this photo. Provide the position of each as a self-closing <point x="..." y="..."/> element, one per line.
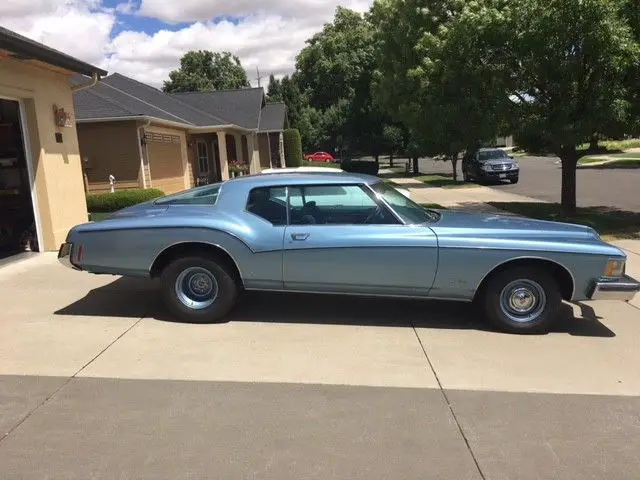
<point x="62" y="118"/>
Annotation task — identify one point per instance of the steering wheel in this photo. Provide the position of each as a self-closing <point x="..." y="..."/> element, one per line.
<point x="377" y="212"/>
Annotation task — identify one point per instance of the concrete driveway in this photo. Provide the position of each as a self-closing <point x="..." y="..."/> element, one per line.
<point x="95" y="382"/>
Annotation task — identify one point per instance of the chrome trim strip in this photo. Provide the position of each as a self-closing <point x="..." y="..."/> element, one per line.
<point x="623" y="289"/>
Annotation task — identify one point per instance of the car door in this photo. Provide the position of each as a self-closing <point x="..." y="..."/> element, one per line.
<point x="342" y="239"/>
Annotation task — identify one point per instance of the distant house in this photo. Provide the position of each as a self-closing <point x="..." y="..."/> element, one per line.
<point x="146" y="138"/>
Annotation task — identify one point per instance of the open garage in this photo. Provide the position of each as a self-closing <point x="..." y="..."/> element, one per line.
<point x="41" y="186"/>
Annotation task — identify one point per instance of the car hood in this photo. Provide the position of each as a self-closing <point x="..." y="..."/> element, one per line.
<point x="497" y="161"/>
<point x="507" y="226"/>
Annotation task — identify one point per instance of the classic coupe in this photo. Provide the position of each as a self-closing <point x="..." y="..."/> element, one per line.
<point x="319" y="157"/>
<point x="345" y="233"/>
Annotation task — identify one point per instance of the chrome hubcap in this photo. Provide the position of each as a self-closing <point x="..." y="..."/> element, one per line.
<point x="522" y="300"/>
<point x="196" y="288"/>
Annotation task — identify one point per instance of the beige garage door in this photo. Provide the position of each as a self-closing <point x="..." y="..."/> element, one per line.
<point x="165" y="161"/>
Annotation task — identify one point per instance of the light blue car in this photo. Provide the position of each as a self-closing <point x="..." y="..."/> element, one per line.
<point x="342" y="233"/>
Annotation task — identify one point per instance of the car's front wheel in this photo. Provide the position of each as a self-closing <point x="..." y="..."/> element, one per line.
<point x="514" y="180"/>
<point x="522" y="299"/>
<point x="198" y="289"/>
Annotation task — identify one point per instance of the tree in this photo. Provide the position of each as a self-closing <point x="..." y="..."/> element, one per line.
<point x="395" y="139"/>
<point x="292" y="98"/>
<point x="205" y="71"/>
<point x="292" y="147"/>
<point x="563" y="64"/>
<point x="424" y="78"/>
<point x="334" y="72"/>
<point x="274" y="90"/>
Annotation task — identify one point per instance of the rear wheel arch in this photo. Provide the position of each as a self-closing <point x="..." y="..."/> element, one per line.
<point x="560" y="273"/>
<point x="184" y="249"/>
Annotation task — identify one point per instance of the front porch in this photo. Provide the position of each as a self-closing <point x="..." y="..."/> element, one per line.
<point x="219" y="155"/>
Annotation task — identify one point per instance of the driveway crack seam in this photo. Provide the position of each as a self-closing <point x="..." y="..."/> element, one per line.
<point x="66" y="382"/>
<point x="449" y="405"/>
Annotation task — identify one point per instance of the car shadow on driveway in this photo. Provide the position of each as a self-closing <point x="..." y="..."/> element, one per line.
<point x="125" y="297"/>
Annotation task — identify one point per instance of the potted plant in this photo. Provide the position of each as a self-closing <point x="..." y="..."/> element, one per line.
<point x="237" y="167"/>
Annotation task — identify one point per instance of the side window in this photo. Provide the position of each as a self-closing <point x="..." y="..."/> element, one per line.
<point x="336" y="205"/>
<point x="204" y="195"/>
<point x="269" y="203"/>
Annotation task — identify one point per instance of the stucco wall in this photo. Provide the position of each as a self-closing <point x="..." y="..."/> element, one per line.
<point x="110" y="148"/>
<point x="59" y="184"/>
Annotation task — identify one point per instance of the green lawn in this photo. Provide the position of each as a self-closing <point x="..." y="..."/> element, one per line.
<point x="305" y="163"/>
<point x="607" y="221"/>
<point x="98" y="216"/>
<point x="442" y="181"/>
<point x="615" y="144"/>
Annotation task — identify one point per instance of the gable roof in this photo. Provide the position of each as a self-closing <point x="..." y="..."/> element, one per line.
<point x="119" y="97"/>
<point x="241" y="107"/>
<point x="273" y="117"/>
<point x="23" y="48"/>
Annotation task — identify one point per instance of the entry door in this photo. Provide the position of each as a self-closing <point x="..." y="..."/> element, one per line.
<point x="342" y="240"/>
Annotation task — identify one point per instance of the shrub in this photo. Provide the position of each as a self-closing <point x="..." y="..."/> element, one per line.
<point x="360" y="166"/>
<point x="292" y="147"/>
<point x="111" y="202"/>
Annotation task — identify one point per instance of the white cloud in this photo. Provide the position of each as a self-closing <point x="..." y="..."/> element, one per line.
<point x="202" y="10"/>
<point x="77" y="28"/>
<point x="267" y="42"/>
<point x="268" y="39"/>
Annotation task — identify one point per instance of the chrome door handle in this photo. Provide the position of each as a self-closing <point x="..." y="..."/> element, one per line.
<point x="299" y="236"/>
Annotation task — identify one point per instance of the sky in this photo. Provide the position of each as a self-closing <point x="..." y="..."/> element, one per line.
<point x="145" y="39"/>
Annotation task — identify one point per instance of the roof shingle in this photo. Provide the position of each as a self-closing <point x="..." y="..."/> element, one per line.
<point x="241" y="107"/>
<point x="119" y="96"/>
<point x="272" y="117"/>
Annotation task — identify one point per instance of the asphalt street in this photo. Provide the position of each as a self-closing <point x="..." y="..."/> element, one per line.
<point x="540" y="178"/>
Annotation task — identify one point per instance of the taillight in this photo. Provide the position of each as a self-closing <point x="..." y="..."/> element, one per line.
<point x="79" y="254"/>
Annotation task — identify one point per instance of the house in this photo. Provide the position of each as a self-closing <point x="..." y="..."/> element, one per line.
<point x="41" y="188"/>
<point x="146" y="138"/>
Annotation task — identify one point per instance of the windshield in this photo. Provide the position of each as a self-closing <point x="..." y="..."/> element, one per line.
<point x="491" y="154"/>
<point x="204" y="195"/>
<point x="408" y="210"/>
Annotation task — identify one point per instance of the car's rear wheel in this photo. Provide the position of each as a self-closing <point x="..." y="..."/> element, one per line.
<point x="198" y="289"/>
<point x="522" y="299"/>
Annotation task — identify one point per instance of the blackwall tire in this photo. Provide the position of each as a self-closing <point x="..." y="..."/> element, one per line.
<point x="198" y="289"/>
<point x="522" y="300"/>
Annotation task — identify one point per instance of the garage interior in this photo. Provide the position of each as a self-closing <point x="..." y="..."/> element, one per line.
<point x="17" y="220"/>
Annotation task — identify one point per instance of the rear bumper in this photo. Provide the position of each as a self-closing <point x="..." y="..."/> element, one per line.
<point x="623" y="289"/>
<point x="65" y="254"/>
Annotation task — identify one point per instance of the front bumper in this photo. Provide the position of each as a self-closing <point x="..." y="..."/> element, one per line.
<point x="65" y="255"/>
<point x="623" y="289"/>
<point x="500" y="174"/>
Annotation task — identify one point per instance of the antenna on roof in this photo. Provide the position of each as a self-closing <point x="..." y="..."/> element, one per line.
<point x="258" y="77"/>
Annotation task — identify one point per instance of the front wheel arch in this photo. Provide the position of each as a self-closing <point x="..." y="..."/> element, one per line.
<point x="559" y="272"/>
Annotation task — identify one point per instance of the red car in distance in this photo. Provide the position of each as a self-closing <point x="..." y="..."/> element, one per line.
<point x="319" y="157"/>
